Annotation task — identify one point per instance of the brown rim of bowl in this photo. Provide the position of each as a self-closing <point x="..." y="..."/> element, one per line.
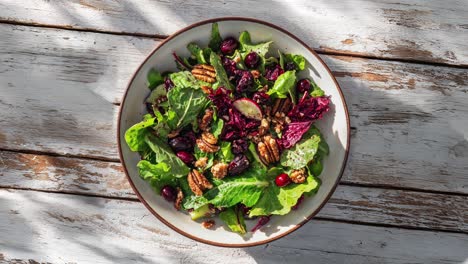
<point x="208" y="241"/>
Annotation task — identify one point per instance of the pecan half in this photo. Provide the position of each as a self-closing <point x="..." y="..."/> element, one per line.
<point x="264" y="127"/>
<point x="255" y="74"/>
<point x="204" y="73"/>
<point x="201" y="162"/>
<point x="198" y="182"/>
<point x="205" y="121"/>
<point x="298" y="176"/>
<point x="268" y="150"/>
<point x="207" y="143"/>
<point x="219" y="170"/>
<point x="179" y="198"/>
<point x="281" y="106"/>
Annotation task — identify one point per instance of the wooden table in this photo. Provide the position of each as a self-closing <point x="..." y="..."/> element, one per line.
<point x="403" y="68"/>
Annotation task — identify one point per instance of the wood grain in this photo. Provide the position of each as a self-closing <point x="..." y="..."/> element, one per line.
<point x="69" y="228"/>
<point x="58" y="88"/>
<point x="348" y="203"/>
<point x="431" y="31"/>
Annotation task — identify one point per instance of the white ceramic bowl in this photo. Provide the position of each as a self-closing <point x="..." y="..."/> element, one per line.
<point x="334" y="126"/>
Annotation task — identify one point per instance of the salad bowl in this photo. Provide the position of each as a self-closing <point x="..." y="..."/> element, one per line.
<point x="334" y="128"/>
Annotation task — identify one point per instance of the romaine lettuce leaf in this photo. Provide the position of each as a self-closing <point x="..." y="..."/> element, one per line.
<point x="165" y="154"/>
<point x="302" y="153"/>
<point x="279" y="200"/>
<point x="135" y="135"/>
<point x="234" y="219"/>
<point x="186" y="102"/>
<point x="284" y="85"/>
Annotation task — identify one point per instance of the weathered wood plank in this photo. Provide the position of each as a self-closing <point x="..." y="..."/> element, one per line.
<point x="410" y="119"/>
<point x="432" y="31"/>
<point x="70" y="228"/>
<point x="357" y="204"/>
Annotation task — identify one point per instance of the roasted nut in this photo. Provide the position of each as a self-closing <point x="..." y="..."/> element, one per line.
<point x="264" y="127"/>
<point x="205" y="121"/>
<point x="281" y="106"/>
<point x="206" y="89"/>
<point x="207" y="143"/>
<point x="219" y="170"/>
<point x="268" y="150"/>
<point x="173" y="133"/>
<point x="298" y="176"/>
<point x="201" y="162"/>
<point x="180" y="197"/>
<point x="208" y="224"/>
<point x="204" y="73"/>
<point x="255" y="74"/>
<point x="198" y="182"/>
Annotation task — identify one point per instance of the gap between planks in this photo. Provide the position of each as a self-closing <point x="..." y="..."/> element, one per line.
<point x="329" y="219"/>
<point x="162" y="37"/>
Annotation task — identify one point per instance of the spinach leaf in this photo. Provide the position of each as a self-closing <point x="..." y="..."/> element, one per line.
<point x="247" y="46"/>
<point x="302" y="153"/>
<point x="278" y="201"/>
<point x="234" y="219"/>
<point x="154" y="79"/>
<point x="197" y="52"/>
<point x="215" y="40"/>
<point x="165" y="154"/>
<point x="135" y="135"/>
<point x="221" y="75"/>
<point x="299" y="60"/>
<point x="284" y="85"/>
<point x="186" y="102"/>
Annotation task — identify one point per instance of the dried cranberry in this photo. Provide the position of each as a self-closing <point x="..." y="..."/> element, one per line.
<point x="245" y="210"/>
<point x="273" y="72"/>
<point x="290" y="66"/>
<point x="299" y="201"/>
<point x="261" y="98"/>
<point x="168" y="193"/>
<point x="186" y="157"/>
<point x="168" y="84"/>
<point x="239" y="146"/>
<point x="229" y="45"/>
<point x="238" y="165"/>
<point x="251" y="60"/>
<point x="261" y="222"/>
<point x="245" y="82"/>
<point x="303" y="86"/>
<point x="180" y="143"/>
<point x="282" y="180"/>
<point x="149" y="108"/>
<point x="230" y="67"/>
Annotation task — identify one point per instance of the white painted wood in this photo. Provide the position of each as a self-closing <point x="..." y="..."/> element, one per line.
<point x="69" y="228"/>
<point x="410" y="120"/>
<point x="348" y="203"/>
<point x="435" y="31"/>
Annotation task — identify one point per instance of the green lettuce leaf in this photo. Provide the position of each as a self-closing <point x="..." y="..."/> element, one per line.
<point x="284" y="85"/>
<point x="316" y="90"/>
<point x="158" y="92"/>
<point x="185" y="79"/>
<point x="217" y="127"/>
<point x="221" y="75"/>
<point x="158" y="175"/>
<point x="301" y="154"/>
<point x="186" y="103"/>
<point x="197" y="52"/>
<point x="135" y="135"/>
<point x="225" y="154"/>
<point x="215" y="40"/>
<point x="279" y="200"/>
<point x="234" y="219"/>
<point x="154" y="79"/>
<point x="165" y="154"/>
<point x="299" y="60"/>
<point x="247" y="46"/>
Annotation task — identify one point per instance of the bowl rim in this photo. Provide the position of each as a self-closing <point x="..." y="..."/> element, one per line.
<point x="167" y="223"/>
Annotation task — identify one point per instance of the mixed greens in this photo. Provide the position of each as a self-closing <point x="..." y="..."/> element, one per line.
<point x="231" y="133"/>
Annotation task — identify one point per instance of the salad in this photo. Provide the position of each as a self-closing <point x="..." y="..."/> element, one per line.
<point x="231" y="133"/>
